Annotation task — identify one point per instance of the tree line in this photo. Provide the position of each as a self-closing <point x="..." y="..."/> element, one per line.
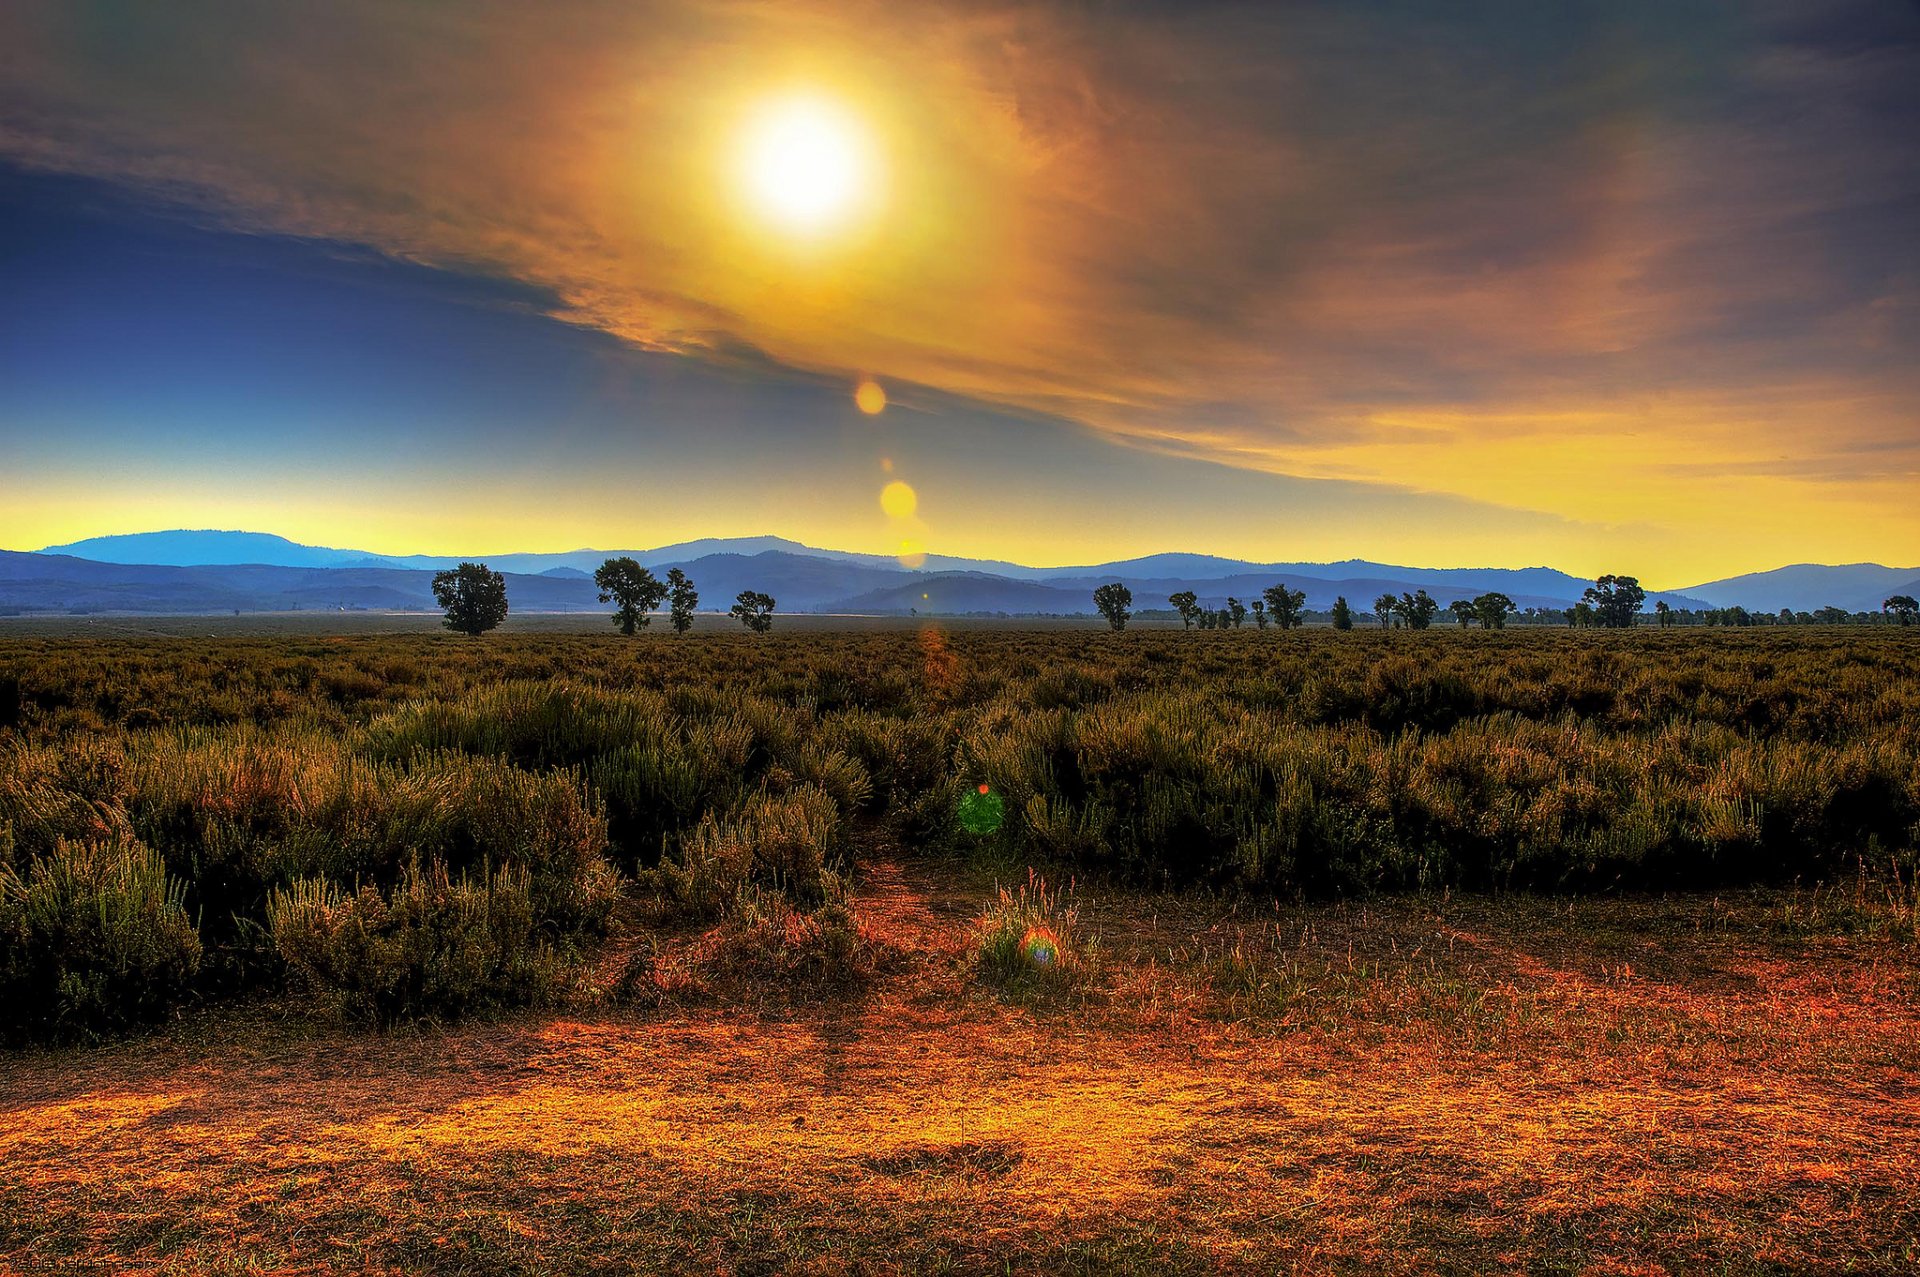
<point x="1611" y="602"/>
<point x="474" y="597"/>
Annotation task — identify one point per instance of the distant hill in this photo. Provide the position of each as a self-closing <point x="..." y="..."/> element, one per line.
<point x="216" y="571"/>
<point x="62" y="583"/>
<point x="1808" y="587"/>
<point x="194" y="549"/>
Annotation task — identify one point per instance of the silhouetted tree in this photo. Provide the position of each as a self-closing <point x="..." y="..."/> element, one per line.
<point x="1462" y="610"/>
<point x="1663" y="615"/>
<point x="1580" y="616"/>
<point x="474" y="595"/>
<point x="1115" y="602"/>
<point x="1236" y="612"/>
<point x="632" y="589"/>
<point x="682" y="598"/>
<point x="1383" y="608"/>
<point x="1259" y="613"/>
<point x="754" y="609"/>
<point x="1492" y="610"/>
<point x="1902" y="606"/>
<point x="1342" y="614"/>
<point x="1616" y="601"/>
<point x="1416" y="610"/>
<point x="1284" y="605"/>
<point x="1187" y="605"/>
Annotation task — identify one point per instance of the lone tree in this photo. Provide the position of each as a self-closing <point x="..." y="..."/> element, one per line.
<point x="1492" y="610"/>
<point x="1342" y="614"/>
<point x="1416" y="610"/>
<point x="1236" y="612"/>
<point x="754" y="609"/>
<point x="1384" y="608"/>
<point x="1284" y="605"/>
<point x="1902" y="606"/>
<point x="1259" y="613"/>
<point x="1115" y="602"/>
<point x="682" y="598"/>
<point x="1616" y="601"/>
<point x="1663" y="614"/>
<point x="1463" y="612"/>
<point x="474" y="595"/>
<point x="632" y="590"/>
<point x="1187" y="604"/>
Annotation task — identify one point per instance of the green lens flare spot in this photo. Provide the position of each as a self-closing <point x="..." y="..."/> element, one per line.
<point x="981" y="811"/>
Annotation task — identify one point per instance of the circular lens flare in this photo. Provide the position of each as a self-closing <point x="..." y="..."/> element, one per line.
<point x="899" y="500"/>
<point x="1040" y="947"/>
<point x="870" y="398"/>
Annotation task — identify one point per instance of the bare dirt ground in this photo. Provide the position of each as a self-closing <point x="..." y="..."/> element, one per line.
<point x="1463" y="1085"/>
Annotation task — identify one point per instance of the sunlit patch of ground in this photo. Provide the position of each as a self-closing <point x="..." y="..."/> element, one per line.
<point x="1456" y="1086"/>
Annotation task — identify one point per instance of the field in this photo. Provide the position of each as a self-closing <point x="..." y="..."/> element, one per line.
<point x="948" y="948"/>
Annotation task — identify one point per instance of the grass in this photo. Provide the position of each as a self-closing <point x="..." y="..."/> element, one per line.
<point x="1452" y="1084"/>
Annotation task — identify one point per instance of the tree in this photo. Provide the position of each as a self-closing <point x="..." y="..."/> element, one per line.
<point x="754" y="609"/>
<point x="1115" y="602"/>
<point x="1492" y="610"/>
<point x="1284" y="605"/>
<point x="1902" y="606"/>
<point x="1616" y="600"/>
<point x="1462" y="610"/>
<point x="1260" y="614"/>
<point x="682" y="598"/>
<point x="1383" y="608"/>
<point x="632" y="590"/>
<point x="1663" y="615"/>
<point x="1342" y="614"/>
<point x="1236" y="612"/>
<point x="1416" y="610"/>
<point x="474" y="595"/>
<point x="1187" y="605"/>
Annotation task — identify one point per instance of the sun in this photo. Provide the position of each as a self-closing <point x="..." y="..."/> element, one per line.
<point x="807" y="163"/>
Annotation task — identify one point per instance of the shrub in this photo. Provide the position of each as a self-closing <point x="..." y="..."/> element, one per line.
<point x="768" y="948"/>
<point x="433" y="948"/>
<point x="94" y="939"/>
<point x="792" y="843"/>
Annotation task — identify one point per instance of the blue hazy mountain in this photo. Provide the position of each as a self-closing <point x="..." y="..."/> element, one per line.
<point x="201" y="571"/>
<point x="183" y="548"/>
<point x="1807" y="587"/>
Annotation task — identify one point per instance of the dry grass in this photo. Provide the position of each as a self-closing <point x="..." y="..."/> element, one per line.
<point x="1454" y="1085"/>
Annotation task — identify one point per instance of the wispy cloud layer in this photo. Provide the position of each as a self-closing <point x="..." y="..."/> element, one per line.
<point x="1645" y="265"/>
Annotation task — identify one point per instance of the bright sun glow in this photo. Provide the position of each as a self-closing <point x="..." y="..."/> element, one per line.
<point x="807" y="163"/>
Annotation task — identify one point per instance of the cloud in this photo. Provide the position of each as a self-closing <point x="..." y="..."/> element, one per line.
<point x="1475" y="251"/>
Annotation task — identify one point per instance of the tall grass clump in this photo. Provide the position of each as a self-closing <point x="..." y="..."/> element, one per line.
<point x="1027" y="941"/>
<point x="94" y="939"/>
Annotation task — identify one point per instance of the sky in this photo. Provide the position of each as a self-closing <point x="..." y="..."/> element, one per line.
<point x="1611" y="286"/>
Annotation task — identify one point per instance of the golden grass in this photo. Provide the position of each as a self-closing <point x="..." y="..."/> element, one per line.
<point x="1455" y="1085"/>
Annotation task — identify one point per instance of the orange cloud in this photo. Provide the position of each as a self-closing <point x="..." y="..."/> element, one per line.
<point x="1289" y="244"/>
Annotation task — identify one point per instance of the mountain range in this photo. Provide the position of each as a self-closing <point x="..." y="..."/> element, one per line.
<point x="209" y="571"/>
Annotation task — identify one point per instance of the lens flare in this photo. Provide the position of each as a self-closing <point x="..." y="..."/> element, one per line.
<point x="981" y="811"/>
<point x="1040" y="947"/>
<point x="899" y="500"/>
<point x="870" y="398"/>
